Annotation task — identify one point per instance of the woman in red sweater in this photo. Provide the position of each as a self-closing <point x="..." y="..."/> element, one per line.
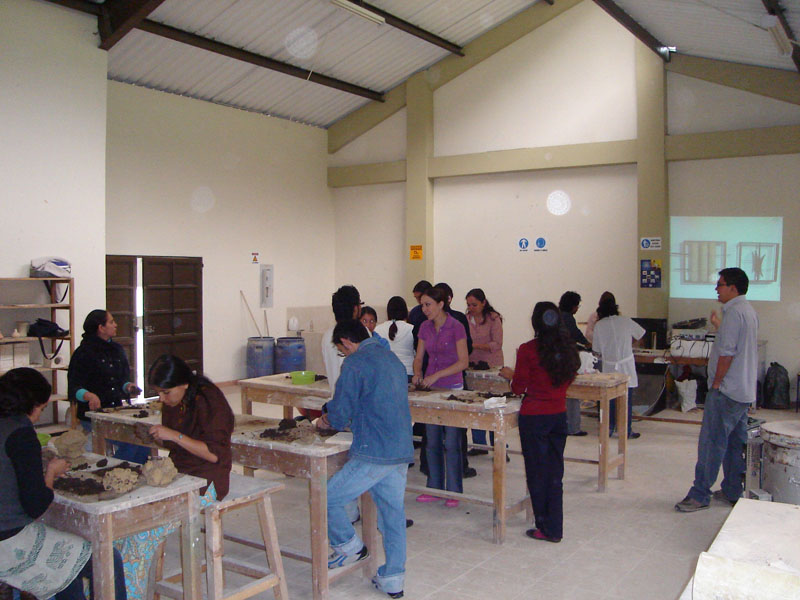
<point x="545" y="367"/>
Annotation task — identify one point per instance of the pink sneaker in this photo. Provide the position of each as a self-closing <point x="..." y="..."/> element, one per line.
<point x="427" y="498"/>
<point x="451" y="503"/>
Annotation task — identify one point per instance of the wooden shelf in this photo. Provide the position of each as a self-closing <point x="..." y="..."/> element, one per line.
<point x="54" y="309"/>
<point x="12" y="340"/>
<point x="42" y="369"/>
<point x="56" y="305"/>
<point x="56" y="279"/>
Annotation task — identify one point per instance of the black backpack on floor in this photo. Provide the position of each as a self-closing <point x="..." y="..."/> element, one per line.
<point x="776" y="387"/>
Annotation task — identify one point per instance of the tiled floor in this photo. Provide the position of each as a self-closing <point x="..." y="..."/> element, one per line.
<point x="627" y="543"/>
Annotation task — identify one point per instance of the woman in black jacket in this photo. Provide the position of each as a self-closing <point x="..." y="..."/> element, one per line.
<point x="99" y="376"/>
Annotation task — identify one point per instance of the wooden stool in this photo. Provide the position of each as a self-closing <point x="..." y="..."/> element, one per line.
<point x="244" y="491"/>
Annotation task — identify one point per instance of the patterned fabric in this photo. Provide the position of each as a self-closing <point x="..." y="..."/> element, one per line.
<point x="41" y="560"/>
<point x="138" y="550"/>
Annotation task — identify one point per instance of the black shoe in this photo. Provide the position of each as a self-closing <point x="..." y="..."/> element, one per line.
<point x="299" y="418"/>
<point x="470" y="472"/>
<point x="578" y="434"/>
<point x="634" y="435"/>
<point x="476" y="452"/>
<point x="720" y="495"/>
<point x="409" y="523"/>
<point x="423" y="471"/>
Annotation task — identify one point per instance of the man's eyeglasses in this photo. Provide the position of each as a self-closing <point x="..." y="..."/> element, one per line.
<point x="721" y="284"/>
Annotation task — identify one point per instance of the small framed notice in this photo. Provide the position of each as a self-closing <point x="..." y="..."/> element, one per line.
<point x="415" y="252"/>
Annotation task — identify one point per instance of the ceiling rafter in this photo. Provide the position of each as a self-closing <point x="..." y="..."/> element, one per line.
<point x="118" y="17"/>
<point x="210" y="45"/>
<point x="644" y="36"/>
<point x="412" y="29"/>
<point x="774" y="8"/>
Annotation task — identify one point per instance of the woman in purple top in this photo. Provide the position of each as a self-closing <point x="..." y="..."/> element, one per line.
<point x="445" y="341"/>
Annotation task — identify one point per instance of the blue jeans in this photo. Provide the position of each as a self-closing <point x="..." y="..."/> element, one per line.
<point x="445" y="466"/>
<point x="612" y="417"/>
<point x="722" y="440"/>
<point x="387" y="486"/>
<point x="479" y="437"/>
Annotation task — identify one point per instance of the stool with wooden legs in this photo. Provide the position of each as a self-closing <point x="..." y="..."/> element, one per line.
<point x="244" y="491"/>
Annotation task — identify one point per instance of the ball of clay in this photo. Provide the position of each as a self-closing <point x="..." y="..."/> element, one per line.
<point x="70" y="444"/>
<point x="120" y="480"/>
<point x="159" y="471"/>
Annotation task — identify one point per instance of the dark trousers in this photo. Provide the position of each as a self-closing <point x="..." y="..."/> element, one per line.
<point x="74" y="591"/>
<point x="543" y="438"/>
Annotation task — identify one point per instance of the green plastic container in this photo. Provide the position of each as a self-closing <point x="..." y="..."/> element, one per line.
<point x="44" y="438"/>
<point x="302" y="377"/>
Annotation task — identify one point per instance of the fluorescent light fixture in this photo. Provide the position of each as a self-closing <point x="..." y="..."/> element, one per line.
<point x="359" y="11"/>
<point x="778" y="33"/>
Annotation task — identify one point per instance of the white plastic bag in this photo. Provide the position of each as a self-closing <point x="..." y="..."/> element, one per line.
<point x="687" y="392"/>
<point x="588" y="361"/>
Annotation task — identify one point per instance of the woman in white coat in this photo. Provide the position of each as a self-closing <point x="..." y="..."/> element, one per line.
<point x="613" y="340"/>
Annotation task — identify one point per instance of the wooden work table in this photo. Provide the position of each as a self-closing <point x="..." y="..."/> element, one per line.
<point x="591" y="387"/>
<point x="142" y="509"/>
<point x="434" y="408"/>
<point x="314" y="462"/>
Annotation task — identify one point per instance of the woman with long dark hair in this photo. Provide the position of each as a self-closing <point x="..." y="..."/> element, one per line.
<point x="486" y="331"/>
<point x="399" y="333"/>
<point x="613" y="340"/>
<point x="196" y="427"/>
<point x="545" y="368"/>
<point x="196" y="422"/>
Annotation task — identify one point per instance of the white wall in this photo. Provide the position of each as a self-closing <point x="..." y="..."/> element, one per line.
<point x="370" y="237"/>
<point x="168" y="155"/>
<point x="52" y="144"/>
<point x="385" y="142"/>
<point x="479" y="221"/>
<point x="695" y="106"/>
<point x="571" y="81"/>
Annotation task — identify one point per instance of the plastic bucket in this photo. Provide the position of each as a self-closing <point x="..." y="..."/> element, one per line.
<point x="290" y="354"/>
<point x="260" y="356"/>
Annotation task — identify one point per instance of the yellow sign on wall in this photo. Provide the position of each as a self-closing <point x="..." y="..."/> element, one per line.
<point x="415" y="252"/>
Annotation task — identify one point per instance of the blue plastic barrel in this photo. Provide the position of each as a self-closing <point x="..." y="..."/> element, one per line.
<point x="260" y="356"/>
<point x="290" y="354"/>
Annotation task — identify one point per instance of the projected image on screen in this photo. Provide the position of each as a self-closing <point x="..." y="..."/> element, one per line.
<point x="701" y="246"/>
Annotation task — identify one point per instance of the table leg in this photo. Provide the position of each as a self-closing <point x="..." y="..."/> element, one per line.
<point x="103" y="558"/>
<point x="288" y="412"/>
<point x="247" y="404"/>
<point x="99" y="443"/>
<point x="602" y="466"/>
<point x="191" y="548"/>
<point x="499" y="485"/>
<point x="622" y="438"/>
<point x="318" y="504"/>
<point x="369" y="533"/>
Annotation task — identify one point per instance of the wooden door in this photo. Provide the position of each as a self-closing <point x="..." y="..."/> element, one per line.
<point x="173" y="309"/>
<point x="121" y="302"/>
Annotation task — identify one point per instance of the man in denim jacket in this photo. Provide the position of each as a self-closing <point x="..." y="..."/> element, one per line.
<point x="371" y="399"/>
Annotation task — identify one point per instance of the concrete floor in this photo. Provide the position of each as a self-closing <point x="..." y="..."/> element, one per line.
<point x="626" y="543"/>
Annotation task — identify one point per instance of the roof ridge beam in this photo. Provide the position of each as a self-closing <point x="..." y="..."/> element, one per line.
<point x="644" y="36"/>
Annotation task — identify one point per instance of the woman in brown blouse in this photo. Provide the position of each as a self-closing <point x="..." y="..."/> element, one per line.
<point x="196" y="422"/>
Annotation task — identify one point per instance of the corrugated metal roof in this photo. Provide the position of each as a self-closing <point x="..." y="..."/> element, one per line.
<point x="320" y="37"/>
<point x="721" y="29"/>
